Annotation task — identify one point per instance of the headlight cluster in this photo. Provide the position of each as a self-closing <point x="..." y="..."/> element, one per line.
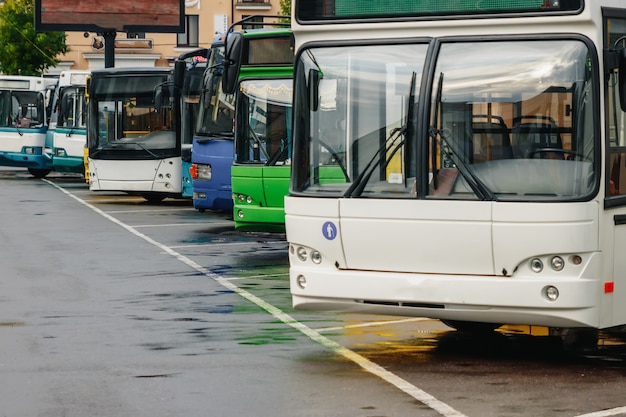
<point x="201" y="172"/>
<point x="304" y="254"/>
<point x="556" y="263"/>
<point x="242" y="198"/>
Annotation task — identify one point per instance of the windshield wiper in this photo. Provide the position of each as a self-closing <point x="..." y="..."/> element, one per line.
<point x="16" y="121"/>
<point x="389" y="146"/>
<point x="205" y="137"/>
<point x="137" y="144"/>
<point x="439" y="137"/>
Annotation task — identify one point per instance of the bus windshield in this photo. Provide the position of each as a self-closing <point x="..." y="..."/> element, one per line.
<point x="264" y="110"/>
<point x="507" y="120"/>
<point x="217" y="110"/>
<point x="72" y="108"/>
<point x="126" y="119"/>
<point x="21" y="109"/>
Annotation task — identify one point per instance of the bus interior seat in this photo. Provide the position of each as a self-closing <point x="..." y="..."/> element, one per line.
<point x="534" y="132"/>
<point x="490" y="138"/>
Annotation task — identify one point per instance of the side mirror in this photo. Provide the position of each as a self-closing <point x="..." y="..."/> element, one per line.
<point x="622" y="79"/>
<point x="233" y="54"/>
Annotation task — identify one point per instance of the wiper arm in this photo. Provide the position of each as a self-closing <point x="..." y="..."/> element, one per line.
<point x="259" y="143"/>
<point x="363" y="178"/>
<point x="205" y="137"/>
<point x="17" y="125"/>
<point x="439" y="136"/>
<point x="137" y="144"/>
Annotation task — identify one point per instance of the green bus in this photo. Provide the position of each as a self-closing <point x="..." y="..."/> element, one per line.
<point x="262" y="147"/>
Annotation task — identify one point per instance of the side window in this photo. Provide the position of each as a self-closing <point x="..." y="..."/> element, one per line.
<point x="616" y="118"/>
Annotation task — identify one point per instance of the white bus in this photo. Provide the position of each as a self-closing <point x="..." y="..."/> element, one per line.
<point x="24" y="114"/>
<point x="464" y="161"/>
<point x="68" y="122"/>
<point x="134" y="142"/>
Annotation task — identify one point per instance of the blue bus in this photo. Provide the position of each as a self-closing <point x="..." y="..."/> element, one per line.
<point x="212" y="146"/>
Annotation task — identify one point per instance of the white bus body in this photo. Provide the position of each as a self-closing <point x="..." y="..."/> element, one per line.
<point x="24" y="122"/>
<point x="521" y="234"/>
<point x="68" y="122"/>
<point x="134" y="142"/>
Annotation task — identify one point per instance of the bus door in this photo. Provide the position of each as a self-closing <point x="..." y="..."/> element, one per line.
<point x="615" y="283"/>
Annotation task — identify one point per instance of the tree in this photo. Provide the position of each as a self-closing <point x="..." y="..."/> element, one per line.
<point x="24" y="51"/>
<point x="285" y="7"/>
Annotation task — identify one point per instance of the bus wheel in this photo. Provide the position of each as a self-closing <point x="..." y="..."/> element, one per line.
<point x="38" y="173"/>
<point x="153" y="198"/>
<point x="471" y="326"/>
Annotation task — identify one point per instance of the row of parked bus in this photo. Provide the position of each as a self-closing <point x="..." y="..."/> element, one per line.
<point x="472" y="173"/>
<point x="42" y="122"/>
<point x="209" y="130"/>
<point x="215" y="129"/>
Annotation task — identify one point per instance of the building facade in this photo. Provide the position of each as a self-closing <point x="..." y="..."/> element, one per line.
<point x="204" y="20"/>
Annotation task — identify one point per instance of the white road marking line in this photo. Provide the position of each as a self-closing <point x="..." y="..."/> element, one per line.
<point x="605" y="413"/>
<point x="371" y="367"/>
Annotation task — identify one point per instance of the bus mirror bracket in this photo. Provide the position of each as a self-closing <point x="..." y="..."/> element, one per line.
<point x="313" y="89"/>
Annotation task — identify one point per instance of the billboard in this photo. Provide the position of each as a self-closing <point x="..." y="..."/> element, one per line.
<point x="156" y="16"/>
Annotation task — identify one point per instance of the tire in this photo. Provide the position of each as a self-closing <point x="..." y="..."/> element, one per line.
<point x="154" y="198"/>
<point x="38" y="173"/>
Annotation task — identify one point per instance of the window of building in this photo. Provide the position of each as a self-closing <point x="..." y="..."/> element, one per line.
<point x="190" y="36"/>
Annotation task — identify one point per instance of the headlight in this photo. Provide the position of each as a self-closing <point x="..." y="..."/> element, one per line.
<point x="204" y="172"/>
<point x="536" y="265"/>
<point x="557" y="263"/>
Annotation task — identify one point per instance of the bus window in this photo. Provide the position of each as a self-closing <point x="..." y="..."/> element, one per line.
<point x="265" y="110"/>
<point x="616" y="120"/>
<point x="495" y="129"/>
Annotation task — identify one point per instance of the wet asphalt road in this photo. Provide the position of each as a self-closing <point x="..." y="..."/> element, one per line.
<point x="111" y="306"/>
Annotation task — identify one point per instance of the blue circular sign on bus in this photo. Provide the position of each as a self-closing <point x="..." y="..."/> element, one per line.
<point x="329" y="230"/>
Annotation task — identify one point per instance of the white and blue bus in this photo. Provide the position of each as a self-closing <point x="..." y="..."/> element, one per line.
<point x="24" y="115"/>
<point x="464" y="161"/>
<point x="68" y="122"/>
<point x="133" y="133"/>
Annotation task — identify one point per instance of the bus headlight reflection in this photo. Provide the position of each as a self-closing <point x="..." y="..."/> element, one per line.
<point x="316" y="257"/>
<point x="301" y="254"/>
<point x="557" y="263"/>
<point x="301" y="281"/>
<point x="536" y="265"/>
<point x="551" y="293"/>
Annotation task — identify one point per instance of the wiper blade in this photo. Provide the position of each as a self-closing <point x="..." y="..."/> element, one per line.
<point x="363" y="178"/>
<point x="205" y="137"/>
<point x="439" y="136"/>
<point x="137" y="144"/>
<point x="389" y="146"/>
